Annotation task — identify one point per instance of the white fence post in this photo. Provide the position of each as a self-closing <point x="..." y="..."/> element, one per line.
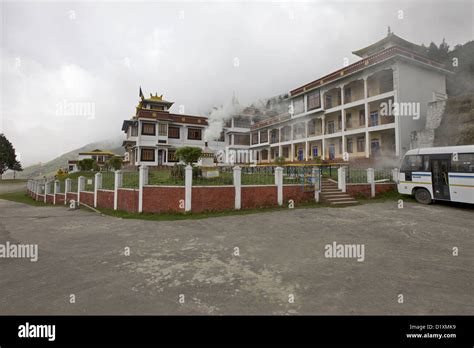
<point x="395" y="173"/>
<point x="238" y="186"/>
<point x="46" y="189"/>
<point x="117" y="185"/>
<point x="142" y="181"/>
<point x="81" y="185"/>
<point x="97" y="186"/>
<point x="317" y="183"/>
<point x="343" y="178"/>
<point x="279" y="183"/>
<point x="371" y="181"/>
<point x="67" y="188"/>
<point x="188" y="182"/>
<point x="56" y="189"/>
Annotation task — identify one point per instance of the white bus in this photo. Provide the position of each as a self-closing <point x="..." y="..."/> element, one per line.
<point x="438" y="173"/>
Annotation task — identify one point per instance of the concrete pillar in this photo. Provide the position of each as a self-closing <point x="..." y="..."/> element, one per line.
<point x="56" y="190"/>
<point x="343" y="178"/>
<point x="142" y="181"/>
<point x="188" y="182"/>
<point x="81" y="184"/>
<point x="395" y="173"/>
<point x="371" y="181"/>
<point x="46" y="189"/>
<point x="238" y="186"/>
<point x="279" y="183"/>
<point x="117" y="184"/>
<point x="367" y="144"/>
<point x="317" y="183"/>
<point x="306" y="151"/>
<point x="67" y="188"/>
<point x="97" y="186"/>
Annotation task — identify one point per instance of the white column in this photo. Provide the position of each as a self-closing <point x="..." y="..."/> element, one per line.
<point x="343" y="178"/>
<point x="117" y="184"/>
<point x="97" y="186"/>
<point x="339" y="178"/>
<point x="142" y="181"/>
<point x="306" y="150"/>
<point x="46" y="189"/>
<point x="292" y="151"/>
<point x="238" y="186"/>
<point x="317" y="183"/>
<point x="279" y="183"/>
<point x="323" y="143"/>
<point x="67" y="188"/>
<point x="55" y="190"/>
<point x="371" y="181"/>
<point x="81" y="184"/>
<point x="367" y="144"/>
<point x="188" y="182"/>
<point x="395" y="172"/>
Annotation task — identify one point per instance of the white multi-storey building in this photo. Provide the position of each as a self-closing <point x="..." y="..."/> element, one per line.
<point x="154" y="134"/>
<point x="367" y="109"/>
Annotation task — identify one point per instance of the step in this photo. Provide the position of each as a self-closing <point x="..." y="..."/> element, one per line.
<point x="330" y="190"/>
<point x="340" y="199"/>
<point x="345" y="202"/>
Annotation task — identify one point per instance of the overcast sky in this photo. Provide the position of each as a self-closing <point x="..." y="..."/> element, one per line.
<point x="97" y="54"/>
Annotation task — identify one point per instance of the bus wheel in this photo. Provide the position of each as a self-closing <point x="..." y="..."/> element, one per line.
<point x="423" y="196"/>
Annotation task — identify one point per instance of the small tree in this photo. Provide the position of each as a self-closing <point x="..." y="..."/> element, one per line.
<point x="7" y="156"/>
<point x="189" y="154"/>
<point x="115" y="162"/>
<point x="279" y="161"/>
<point x="86" y="164"/>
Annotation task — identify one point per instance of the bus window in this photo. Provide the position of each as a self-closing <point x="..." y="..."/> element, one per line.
<point x="464" y="164"/>
<point x="412" y="163"/>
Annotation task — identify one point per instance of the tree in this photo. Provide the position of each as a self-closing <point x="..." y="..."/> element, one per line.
<point x="7" y="156"/>
<point x="115" y="162"/>
<point x="189" y="154"/>
<point x="86" y="164"/>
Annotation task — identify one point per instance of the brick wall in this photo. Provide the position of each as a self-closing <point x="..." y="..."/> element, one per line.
<point x="296" y="193"/>
<point x="162" y="199"/>
<point x="212" y="198"/>
<point x="258" y="196"/>
<point x="87" y="198"/>
<point x="71" y="195"/>
<point x="364" y="189"/>
<point x="128" y="200"/>
<point x="49" y="198"/>
<point x="105" y="199"/>
<point x="59" y="198"/>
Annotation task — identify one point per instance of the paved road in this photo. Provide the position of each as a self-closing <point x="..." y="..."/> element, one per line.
<point x="12" y="187"/>
<point x="407" y="251"/>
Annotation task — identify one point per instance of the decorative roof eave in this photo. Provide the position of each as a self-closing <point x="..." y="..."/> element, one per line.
<point x="374" y="59"/>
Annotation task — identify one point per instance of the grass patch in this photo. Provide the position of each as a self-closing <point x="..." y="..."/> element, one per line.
<point x="22" y="197"/>
<point x="12" y="181"/>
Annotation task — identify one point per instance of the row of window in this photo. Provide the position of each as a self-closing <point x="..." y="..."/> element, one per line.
<point x="148" y="155"/>
<point x="172" y="132"/>
<point x="421" y="163"/>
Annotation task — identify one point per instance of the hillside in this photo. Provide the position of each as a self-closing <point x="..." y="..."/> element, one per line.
<point x="457" y="124"/>
<point x="50" y="168"/>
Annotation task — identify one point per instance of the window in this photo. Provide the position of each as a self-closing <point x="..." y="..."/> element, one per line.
<point x="412" y="163"/>
<point x="264" y="155"/>
<point x="173" y="132"/>
<point x="314" y="100"/>
<point x="340" y="145"/>
<point x="254" y="138"/>
<point x="464" y="164"/>
<point x="328" y="101"/>
<point x="134" y="131"/>
<point x="348" y="120"/>
<point x="194" y="133"/>
<point x="298" y="106"/>
<point x="162" y="129"/>
<point x="172" y="156"/>
<point x="263" y="136"/>
<point x="361" y="117"/>
<point x="330" y="127"/>
<point x="347" y="95"/>
<point x="148" y="155"/>
<point x="361" y="144"/>
<point x="286" y="151"/>
<point x="221" y="136"/>
<point x="349" y="146"/>
<point x="339" y="122"/>
<point x="374" y="118"/>
<point x="148" y="129"/>
<point x="241" y="139"/>
<point x="315" y="151"/>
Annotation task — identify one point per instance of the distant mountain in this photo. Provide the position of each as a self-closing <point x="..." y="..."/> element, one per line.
<point x="50" y="168"/>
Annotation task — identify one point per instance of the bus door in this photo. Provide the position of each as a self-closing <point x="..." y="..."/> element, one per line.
<point x="439" y="176"/>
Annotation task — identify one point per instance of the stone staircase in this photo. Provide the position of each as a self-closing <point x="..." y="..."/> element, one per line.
<point x="332" y="195"/>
